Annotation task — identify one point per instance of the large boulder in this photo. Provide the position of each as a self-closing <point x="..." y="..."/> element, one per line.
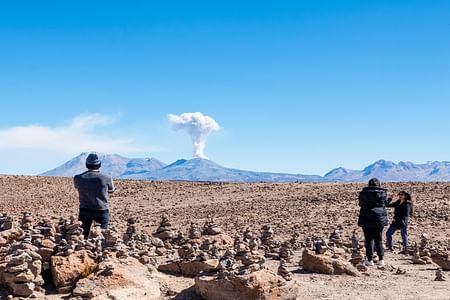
<point x="261" y="285"/>
<point x="441" y="259"/>
<point x="67" y="270"/>
<point x="189" y="268"/>
<point x="119" y="280"/>
<point x="324" y="264"/>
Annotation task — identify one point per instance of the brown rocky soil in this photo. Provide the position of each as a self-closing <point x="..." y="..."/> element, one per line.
<point x="310" y="209"/>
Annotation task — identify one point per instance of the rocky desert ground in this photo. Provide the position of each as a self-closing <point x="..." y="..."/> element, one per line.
<point x="259" y="245"/>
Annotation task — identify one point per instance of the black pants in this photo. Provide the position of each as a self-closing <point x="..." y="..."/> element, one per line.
<point x="87" y="216"/>
<point x="373" y="239"/>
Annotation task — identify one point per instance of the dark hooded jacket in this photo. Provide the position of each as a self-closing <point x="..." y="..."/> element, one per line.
<point x="401" y="213"/>
<point x="373" y="202"/>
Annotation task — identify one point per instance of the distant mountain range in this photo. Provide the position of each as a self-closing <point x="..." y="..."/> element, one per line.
<point x="198" y="169"/>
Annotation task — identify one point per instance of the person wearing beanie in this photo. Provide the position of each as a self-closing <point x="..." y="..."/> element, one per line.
<point x="93" y="191"/>
<point x="373" y="218"/>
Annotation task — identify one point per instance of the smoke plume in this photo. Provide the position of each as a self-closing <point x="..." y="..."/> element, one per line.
<point x="198" y="126"/>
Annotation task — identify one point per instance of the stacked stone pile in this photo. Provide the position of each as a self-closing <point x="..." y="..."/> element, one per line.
<point x="165" y="231"/>
<point x="357" y="255"/>
<point x="23" y="272"/>
<point x="295" y="241"/>
<point x="211" y="228"/>
<point x="286" y="253"/>
<point x="6" y="222"/>
<point x="283" y="270"/>
<point x="335" y="238"/>
<point x="270" y="246"/>
<point x="194" y="232"/>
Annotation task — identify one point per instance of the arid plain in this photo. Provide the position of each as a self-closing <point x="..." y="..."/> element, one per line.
<point x="307" y="208"/>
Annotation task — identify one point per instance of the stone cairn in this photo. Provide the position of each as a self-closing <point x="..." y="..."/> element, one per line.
<point x="335" y="238"/>
<point x="295" y="241"/>
<point x="424" y="245"/>
<point x="357" y="256"/>
<point x="251" y="240"/>
<point x="165" y="231"/>
<point x="194" y="232"/>
<point x="283" y="270"/>
<point x="23" y="272"/>
<point x="6" y="222"/>
<point x="211" y="228"/>
<point x="130" y="231"/>
<point x="27" y="250"/>
<point x="143" y="246"/>
<point x="227" y="267"/>
<point x="286" y="254"/>
<point x="69" y="236"/>
<point x="416" y="256"/>
<point x="111" y="242"/>
<point x="189" y="251"/>
<point x="251" y="260"/>
<point x="169" y="235"/>
<point x="199" y="247"/>
<point x="27" y="221"/>
<point x="270" y="246"/>
<point x="44" y="237"/>
<point x="320" y="246"/>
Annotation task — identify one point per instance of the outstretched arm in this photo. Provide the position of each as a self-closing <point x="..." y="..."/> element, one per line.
<point x="111" y="187"/>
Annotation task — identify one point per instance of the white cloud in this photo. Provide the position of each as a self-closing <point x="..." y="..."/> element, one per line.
<point x="78" y="136"/>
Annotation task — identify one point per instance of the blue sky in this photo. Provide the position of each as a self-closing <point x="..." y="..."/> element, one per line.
<point x="297" y="86"/>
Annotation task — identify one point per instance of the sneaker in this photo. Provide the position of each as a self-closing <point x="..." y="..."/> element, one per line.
<point x="368" y="263"/>
<point x="381" y="263"/>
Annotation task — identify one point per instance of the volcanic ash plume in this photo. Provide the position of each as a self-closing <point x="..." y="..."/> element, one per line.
<point x="198" y="126"/>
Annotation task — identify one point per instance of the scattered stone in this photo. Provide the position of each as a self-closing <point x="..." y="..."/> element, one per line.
<point x="440" y="276"/>
<point x="362" y="268"/>
<point x="400" y="271"/>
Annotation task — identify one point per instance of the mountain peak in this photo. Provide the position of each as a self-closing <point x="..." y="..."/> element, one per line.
<point x="199" y="169"/>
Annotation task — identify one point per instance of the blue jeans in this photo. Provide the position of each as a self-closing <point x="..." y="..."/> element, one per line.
<point x="87" y="216"/>
<point x="390" y="232"/>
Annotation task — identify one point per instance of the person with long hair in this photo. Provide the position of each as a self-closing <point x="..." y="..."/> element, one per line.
<point x="372" y="218"/>
<point x="403" y="209"/>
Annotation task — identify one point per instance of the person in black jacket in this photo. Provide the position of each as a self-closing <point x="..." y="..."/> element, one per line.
<point x="402" y="211"/>
<point x="372" y="218"/>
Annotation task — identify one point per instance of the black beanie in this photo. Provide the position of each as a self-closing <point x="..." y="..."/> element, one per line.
<point x="374" y="182"/>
